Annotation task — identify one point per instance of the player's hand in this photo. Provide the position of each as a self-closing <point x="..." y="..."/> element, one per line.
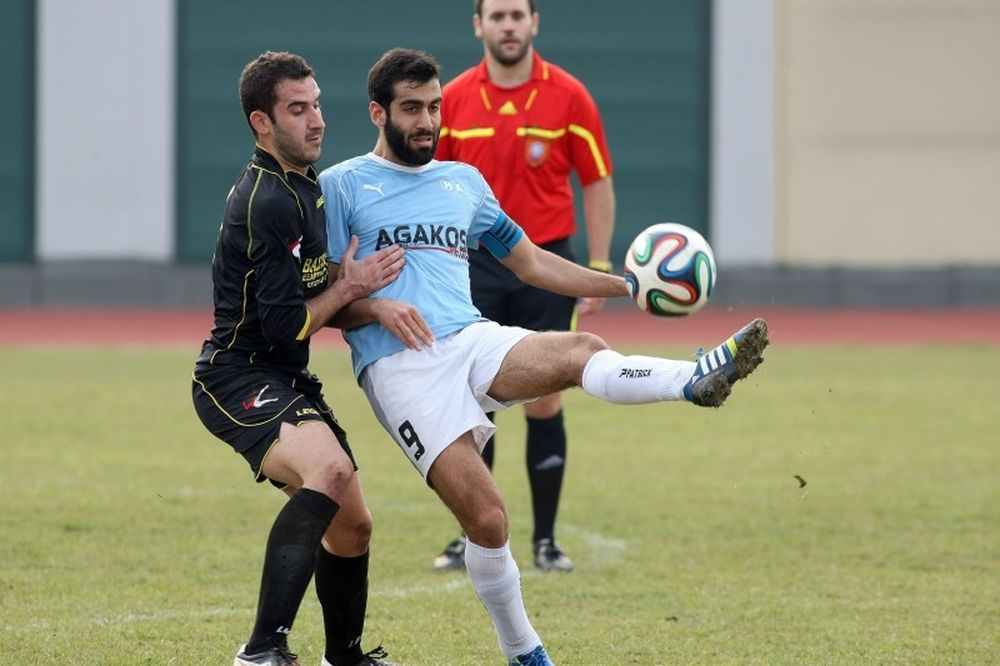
<point x="586" y="306"/>
<point x="404" y="321"/>
<point x="363" y="277"/>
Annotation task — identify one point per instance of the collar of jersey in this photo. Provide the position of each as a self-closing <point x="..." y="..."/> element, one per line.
<point x="539" y="70"/>
<point x="270" y="162"/>
<point x="400" y="167"/>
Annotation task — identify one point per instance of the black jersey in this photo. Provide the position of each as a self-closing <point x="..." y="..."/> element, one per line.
<point x="270" y="258"/>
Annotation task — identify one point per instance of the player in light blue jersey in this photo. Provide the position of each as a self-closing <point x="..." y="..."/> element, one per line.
<point x="433" y="211"/>
<point x="432" y="366"/>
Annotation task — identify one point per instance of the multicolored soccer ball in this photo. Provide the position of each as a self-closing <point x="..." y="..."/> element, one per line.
<point x="670" y="270"/>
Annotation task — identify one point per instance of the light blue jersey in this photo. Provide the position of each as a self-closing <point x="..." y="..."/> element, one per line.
<point x="436" y="211"/>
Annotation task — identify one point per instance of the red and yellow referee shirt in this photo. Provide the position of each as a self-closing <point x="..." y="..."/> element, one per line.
<point x="525" y="141"/>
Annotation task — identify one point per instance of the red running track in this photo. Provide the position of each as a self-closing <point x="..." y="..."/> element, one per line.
<point x="619" y="326"/>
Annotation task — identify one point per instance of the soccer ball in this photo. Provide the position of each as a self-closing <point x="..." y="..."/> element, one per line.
<point x="670" y="270"/>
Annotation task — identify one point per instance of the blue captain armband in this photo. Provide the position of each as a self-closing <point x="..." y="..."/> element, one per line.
<point x="502" y="236"/>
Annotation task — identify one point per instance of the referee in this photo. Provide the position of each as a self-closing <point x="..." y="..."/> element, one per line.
<point x="251" y="386"/>
<point x="526" y="124"/>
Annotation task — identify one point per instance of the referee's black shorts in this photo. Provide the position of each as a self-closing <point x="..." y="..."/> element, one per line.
<point x="500" y="296"/>
<point x="245" y="405"/>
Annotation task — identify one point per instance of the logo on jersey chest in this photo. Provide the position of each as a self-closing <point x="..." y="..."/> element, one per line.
<point x="536" y="151"/>
<point x="452" y="186"/>
<point x="425" y="237"/>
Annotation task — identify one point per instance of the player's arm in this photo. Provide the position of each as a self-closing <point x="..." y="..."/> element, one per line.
<point x="591" y="160"/>
<point x="401" y="319"/>
<point x="398" y="317"/>
<point x="272" y="222"/>
<point x="355" y="279"/>
<point x="545" y="270"/>
<point x="599" y="219"/>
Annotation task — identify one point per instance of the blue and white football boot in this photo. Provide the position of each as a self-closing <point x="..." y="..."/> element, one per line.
<point x="718" y="369"/>
<point x="537" y="657"/>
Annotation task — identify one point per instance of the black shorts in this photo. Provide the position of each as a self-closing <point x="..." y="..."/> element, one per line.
<point x="245" y="405"/>
<point x="500" y="296"/>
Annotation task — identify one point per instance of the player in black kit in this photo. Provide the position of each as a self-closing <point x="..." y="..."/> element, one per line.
<point x="252" y="388"/>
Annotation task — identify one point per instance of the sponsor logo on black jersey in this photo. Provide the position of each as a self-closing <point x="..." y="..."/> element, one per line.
<point x="314" y="271"/>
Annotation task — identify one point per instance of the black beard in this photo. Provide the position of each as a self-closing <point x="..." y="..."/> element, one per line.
<point x="397" y="141"/>
<point x="292" y="153"/>
<point x="508" y="61"/>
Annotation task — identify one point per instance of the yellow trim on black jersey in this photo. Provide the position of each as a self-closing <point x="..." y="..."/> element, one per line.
<point x="305" y="327"/>
<point x="285" y="183"/>
<point x="233" y="418"/>
<point x="243" y="317"/>
<point x="253" y="193"/>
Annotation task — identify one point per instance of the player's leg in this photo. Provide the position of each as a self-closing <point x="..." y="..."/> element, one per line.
<point x="441" y="432"/>
<point x="342" y="565"/>
<point x="545" y="430"/>
<point x="545" y="460"/>
<point x="545" y="362"/>
<point x="467" y="488"/>
<point x="491" y="285"/>
<point x="342" y="580"/>
<point x="253" y="411"/>
<point x="495" y="293"/>
<point x="309" y="458"/>
<point x="553" y="361"/>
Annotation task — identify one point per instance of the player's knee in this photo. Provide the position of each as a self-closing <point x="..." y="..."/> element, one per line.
<point x="350" y="535"/>
<point x="488" y="527"/>
<point x="585" y="345"/>
<point x="330" y="477"/>
<point x="588" y="343"/>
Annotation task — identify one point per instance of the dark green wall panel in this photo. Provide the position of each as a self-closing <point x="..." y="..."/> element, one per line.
<point x="17" y="131"/>
<point x="645" y="61"/>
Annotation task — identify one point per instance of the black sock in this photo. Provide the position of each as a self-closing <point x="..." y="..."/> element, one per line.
<point x="546" y="449"/>
<point x="488" y="449"/>
<point x="289" y="563"/>
<point x="342" y="588"/>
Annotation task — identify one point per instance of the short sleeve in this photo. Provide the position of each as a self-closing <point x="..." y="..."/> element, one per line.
<point x="337" y="211"/>
<point x="588" y="145"/>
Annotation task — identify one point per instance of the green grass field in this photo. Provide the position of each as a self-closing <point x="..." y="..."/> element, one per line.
<point x="129" y="536"/>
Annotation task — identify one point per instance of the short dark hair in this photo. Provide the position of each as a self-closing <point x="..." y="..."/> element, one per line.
<point x="261" y="76"/>
<point x="399" y="65"/>
<point x="478" y="6"/>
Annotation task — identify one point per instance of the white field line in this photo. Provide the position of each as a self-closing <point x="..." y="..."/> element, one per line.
<point x="603" y="552"/>
<point x="154" y="617"/>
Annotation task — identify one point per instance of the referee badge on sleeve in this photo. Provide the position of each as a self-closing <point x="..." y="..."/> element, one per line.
<point x="536" y="151"/>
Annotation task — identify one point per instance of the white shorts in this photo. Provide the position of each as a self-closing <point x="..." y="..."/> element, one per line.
<point x="427" y="399"/>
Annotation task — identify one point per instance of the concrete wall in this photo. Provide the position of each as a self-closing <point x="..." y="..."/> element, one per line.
<point x="105" y="147"/>
<point x="888" y="139"/>
<point x="743" y="107"/>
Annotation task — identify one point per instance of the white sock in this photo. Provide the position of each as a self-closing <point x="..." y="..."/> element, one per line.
<point x="633" y="380"/>
<point x="497" y="581"/>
